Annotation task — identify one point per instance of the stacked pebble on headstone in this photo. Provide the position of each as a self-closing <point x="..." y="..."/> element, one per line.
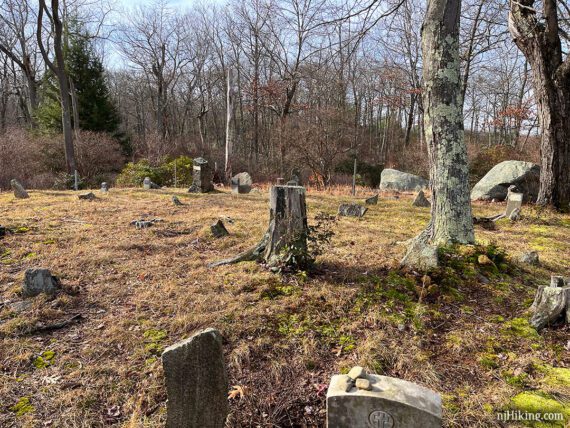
<point x="196" y="382"/>
<point x="202" y="177"/>
<point x="361" y="400"/>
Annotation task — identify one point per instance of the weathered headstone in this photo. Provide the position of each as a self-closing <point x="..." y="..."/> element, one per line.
<point x="296" y="177"/>
<point x="196" y="382"/>
<point x="39" y="281"/>
<point x="104" y="187"/>
<point x="372" y="401"/>
<point x="352" y="210"/>
<point x="147" y="183"/>
<point x="514" y="203"/>
<point x="372" y="201"/>
<point x="19" y="191"/>
<point x="218" y="229"/>
<point x="241" y="183"/>
<point x="202" y="177"/>
<point x="421" y="200"/>
<point x="87" y="196"/>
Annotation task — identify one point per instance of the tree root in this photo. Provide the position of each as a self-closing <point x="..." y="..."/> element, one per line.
<point x="250" y="255"/>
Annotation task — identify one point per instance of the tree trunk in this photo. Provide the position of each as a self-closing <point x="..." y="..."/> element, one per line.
<point x="452" y="220"/>
<point x="230" y="125"/>
<point x="539" y="40"/>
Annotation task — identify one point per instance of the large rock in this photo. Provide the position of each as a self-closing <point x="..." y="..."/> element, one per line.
<point x="495" y="184"/>
<point x="381" y="402"/>
<point x="550" y="304"/>
<point x="39" y="281"/>
<point x="196" y="382"/>
<point x="394" y="180"/>
<point x="19" y="191"/>
<point x="241" y="183"/>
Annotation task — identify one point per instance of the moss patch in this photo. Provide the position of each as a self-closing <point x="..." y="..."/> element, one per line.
<point x="46" y="359"/>
<point x="539" y="403"/>
<point x="520" y="327"/>
<point x="22" y="407"/>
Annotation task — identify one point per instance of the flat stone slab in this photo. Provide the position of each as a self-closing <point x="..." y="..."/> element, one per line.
<point x="352" y="210"/>
<point x="39" y="280"/>
<point x="196" y="382"/>
<point x="390" y="403"/>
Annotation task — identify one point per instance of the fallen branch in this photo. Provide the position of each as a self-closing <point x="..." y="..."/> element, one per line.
<point x="55" y="326"/>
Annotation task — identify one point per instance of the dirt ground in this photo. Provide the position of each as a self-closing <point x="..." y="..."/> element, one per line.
<point x="128" y="293"/>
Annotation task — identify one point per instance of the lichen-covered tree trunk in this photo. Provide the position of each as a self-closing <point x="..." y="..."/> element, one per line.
<point x="452" y="220"/>
<point x="541" y="44"/>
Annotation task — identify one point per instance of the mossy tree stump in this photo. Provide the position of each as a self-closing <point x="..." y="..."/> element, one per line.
<point x="285" y="242"/>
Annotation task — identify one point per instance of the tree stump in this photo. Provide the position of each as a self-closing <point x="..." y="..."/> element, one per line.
<point x="288" y="230"/>
<point x="285" y="242"/>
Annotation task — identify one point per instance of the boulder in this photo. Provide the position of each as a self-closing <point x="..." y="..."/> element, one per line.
<point x="39" y="281"/>
<point x="241" y="183"/>
<point x="19" y="191"/>
<point x="495" y="184"/>
<point x="393" y="180"/>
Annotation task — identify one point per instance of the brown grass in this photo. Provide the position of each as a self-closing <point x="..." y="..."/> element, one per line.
<point x="284" y="336"/>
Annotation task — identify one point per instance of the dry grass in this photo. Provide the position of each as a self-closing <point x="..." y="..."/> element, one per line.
<point x="140" y="290"/>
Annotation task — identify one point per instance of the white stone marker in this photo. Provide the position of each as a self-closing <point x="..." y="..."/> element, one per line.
<point x="196" y="382"/>
<point x="390" y="403"/>
<point x="514" y="202"/>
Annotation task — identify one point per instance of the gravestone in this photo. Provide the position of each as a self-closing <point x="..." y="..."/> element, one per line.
<point x="421" y="200"/>
<point x="372" y="401"/>
<point x="219" y="230"/>
<point x="241" y="183"/>
<point x="146" y="183"/>
<point x="296" y="178"/>
<point x="551" y="303"/>
<point x="351" y="210"/>
<point x="196" y="382"/>
<point x="372" y="201"/>
<point x="87" y="196"/>
<point x="19" y="191"/>
<point x="39" y="280"/>
<point x="202" y="177"/>
<point x="514" y="203"/>
<point x="104" y="187"/>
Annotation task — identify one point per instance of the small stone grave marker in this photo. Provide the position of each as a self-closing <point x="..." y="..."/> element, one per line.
<point x="514" y="203"/>
<point x="421" y="200"/>
<point x="372" y="401"/>
<point x="19" y="191"/>
<point x="218" y="229"/>
<point x="104" y="187"/>
<point x="372" y="201"/>
<point x="352" y="210"/>
<point x="39" y="281"/>
<point x="196" y="382"/>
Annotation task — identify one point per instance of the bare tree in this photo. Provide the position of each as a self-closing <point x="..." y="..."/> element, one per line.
<point x="539" y="36"/>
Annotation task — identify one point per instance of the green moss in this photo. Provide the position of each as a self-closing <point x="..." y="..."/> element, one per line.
<point x="540" y="403"/>
<point x="46" y="359"/>
<point x="22" y="407"/>
<point x="518" y="381"/>
<point x="21" y="229"/>
<point x="520" y="327"/>
<point x="153" y="339"/>
<point x="489" y="360"/>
